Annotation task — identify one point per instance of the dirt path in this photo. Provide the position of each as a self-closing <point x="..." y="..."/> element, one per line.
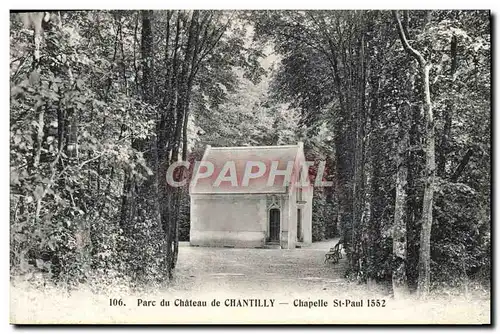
<point x="289" y="275"/>
<point x="284" y="276"/>
<point x="264" y="270"/>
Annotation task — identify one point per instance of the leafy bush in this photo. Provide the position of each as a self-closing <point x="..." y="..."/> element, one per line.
<point x="461" y="241"/>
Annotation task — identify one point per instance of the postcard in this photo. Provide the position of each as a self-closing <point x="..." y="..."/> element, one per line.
<point x="250" y="167"/>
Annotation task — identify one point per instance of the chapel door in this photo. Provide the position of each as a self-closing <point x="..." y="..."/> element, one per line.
<point x="274" y="225"/>
<point x="299" y="225"/>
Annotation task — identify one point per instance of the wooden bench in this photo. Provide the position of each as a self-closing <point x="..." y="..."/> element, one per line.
<point x="334" y="254"/>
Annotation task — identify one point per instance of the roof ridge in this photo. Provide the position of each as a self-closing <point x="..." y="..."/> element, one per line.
<point x="250" y="147"/>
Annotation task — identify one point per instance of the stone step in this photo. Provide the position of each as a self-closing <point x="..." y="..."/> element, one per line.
<point x="272" y="246"/>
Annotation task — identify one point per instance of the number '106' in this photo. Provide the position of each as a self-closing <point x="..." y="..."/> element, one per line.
<point x="115" y="302"/>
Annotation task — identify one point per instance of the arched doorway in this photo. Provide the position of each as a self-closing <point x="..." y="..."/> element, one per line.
<point x="299" y="225"/>
<point x="274" y="225"/>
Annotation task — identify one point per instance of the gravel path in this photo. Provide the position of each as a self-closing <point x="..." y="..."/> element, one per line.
<point x="265" y="270"/>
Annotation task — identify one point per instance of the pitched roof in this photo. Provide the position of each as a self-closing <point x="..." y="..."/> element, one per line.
<point x="219" y="156"/>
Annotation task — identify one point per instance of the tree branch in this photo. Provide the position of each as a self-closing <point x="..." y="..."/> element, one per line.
<point x="462" y="165"/>
<point x="411" y="51"/>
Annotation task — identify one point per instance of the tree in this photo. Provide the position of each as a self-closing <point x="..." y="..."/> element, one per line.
<point x="430" y="164"/>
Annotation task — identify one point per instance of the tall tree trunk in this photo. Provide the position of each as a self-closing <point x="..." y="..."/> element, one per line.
<point x="399" y="229"/>
<point x="401" y="213"/>
<point x="413" y="200"/>
<point x="376" y="196"/>
<point x="448" y="113"/>
<point x="134" y="195"/>
<point x="430" y="165"/>
<point x="171" y="196"/>
<point x="147" y="56"/>
<point x="429" y="172"/>
<point x="359" y="231"/>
